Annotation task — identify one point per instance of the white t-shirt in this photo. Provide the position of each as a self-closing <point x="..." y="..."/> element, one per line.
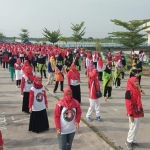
<point x="28" y="84"/>
<point x="67" y="120"/>
<point x="39" y="100"/>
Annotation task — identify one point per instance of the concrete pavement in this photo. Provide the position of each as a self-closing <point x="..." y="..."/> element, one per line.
<point x="14" y="123"/>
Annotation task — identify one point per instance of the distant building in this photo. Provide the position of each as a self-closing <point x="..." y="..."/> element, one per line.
<point x="148" y="31"/>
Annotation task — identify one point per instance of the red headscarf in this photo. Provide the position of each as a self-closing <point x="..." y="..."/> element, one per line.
<point x="37" y="83"/>
<point x="26" y="63"/>
<point x="18" y="61"/>
<point x="89" y="56"/>
<point x="135" y="90"/>
<point x="68" y="101"/>
<point x="73" y="73"/>
<point x="100" y="62"/>
<point x="93" y="76"/>
<point x="28" y="72"/>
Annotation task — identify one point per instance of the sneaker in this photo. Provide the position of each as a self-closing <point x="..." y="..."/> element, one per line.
<point x="110" y="97"/>
<point x="116" y="86"/>
<point x="89" y="119"/>
<point x="119" y="87"/>
<point x="129" y="145"/>
<point x="98" y="118"/>
<point x="18" y="86"/>
<point x="136" y="145"/>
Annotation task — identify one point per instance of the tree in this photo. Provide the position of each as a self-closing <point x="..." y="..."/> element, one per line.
<point x="1" y="36"/>
<point x="97" y="45"/>
<point x="14" y="39"/>
<point x="78" y="33"/>
<point x="24" y="35"/>
<point x="53" y="36"/>
<point x="63" y="39"/>
<point x="131" y="38"/>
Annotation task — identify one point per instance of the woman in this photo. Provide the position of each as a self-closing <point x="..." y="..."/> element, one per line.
<point x="11" y="63"/>
<point x="94" y="85"/>
<point x="26" y="84"/>
<point x="77" y="62"/>
<point x="1" y="141"/>
<point x="51" y="70"/>
<point x="90" y="68"/>
<point x="117" y="74"/>
<point x="100" y="68"/>
<point x="67" y="116"/>
<point x="107" y="81"/>
<point x="59" y="72"/>
<point x="26" y="63"/>
<point x="74" y="82"/>
<point x="68" y="62"/>
<point x="18" y="65"/>
<point x="37" y="107"/>
<point x="134" y="110"/>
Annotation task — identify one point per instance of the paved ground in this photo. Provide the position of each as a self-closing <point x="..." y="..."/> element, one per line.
<point x="114" y="124"/>
<point x="14" y="123"/>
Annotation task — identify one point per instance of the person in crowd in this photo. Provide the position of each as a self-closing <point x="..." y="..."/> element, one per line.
<point x="59" y="74"/>
<point x="74" y="82"/>
<point x="133" y="71"/>
<point x="21" y="55"/>
<point x="107" y="81"/>
<point x="94" y="85"/>
<point x="37" y="107"/>
<point x="100" y="68"/>
<point x="67" y="115"/>
<point x="95" y="59"/>
<point x="117" y="74"/>
<point x="68" y="62"/>
<point x="34" y="62"/>
<point x="123" y="60"/>
<point x="29" y="57"/>
<point x="5" y="58"/>
<point x="51" y="70"/>
<point x="116" y="58"/>
<point x="139" y="67"/>
<point x="134" y="110"/>
<point x="26" y="63"/>
<point x="109" y="57"/>
<point x="90" y="68"/>
<point x="26" y="84"/>
<point x="11" y="62"/>
<point x="42" y="65"/>
<point x="1" y="57"/>
<point x="87" y="61"/>
<point x="1" y="141"/>
<point x="17" y="66"/>
<point x="77" y="62"/>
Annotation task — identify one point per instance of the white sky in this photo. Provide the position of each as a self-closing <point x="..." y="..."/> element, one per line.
<point x="34" y="15"/>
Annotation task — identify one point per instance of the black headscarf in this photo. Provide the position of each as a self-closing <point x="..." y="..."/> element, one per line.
<point x="12" y="61"/>
<point x="108" y="69"/>
<point x="60" y="58"/>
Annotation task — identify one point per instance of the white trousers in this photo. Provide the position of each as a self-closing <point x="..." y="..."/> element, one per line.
<point x="94" y="104"/>
<point x="51" y="77"/>
<point x="133" y="128"/>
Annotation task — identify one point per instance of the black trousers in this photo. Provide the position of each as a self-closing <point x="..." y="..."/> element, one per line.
<point x="22" y="59"/>
<point x="5" y="65"/>
<point x="118" y="82"/>
<point x="95" y="64"/>
<point x="0" y="60"/>
<point x="100" y="76"/>
<point x="61" y="86"/>
<point x="122" y="75"/>
<point x="43" y="71"/>
<point x="107" y="90"/>
<point x="139" y="80"/>
<point x="18" y="82"/>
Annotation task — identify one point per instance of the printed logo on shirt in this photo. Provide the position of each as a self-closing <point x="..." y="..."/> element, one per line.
<point x="68" y="115"/>
<point x="39" y="97"/>
<point x="29" y="81"/>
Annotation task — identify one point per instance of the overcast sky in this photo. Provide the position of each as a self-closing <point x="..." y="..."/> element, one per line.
<point x="34" y="15"/>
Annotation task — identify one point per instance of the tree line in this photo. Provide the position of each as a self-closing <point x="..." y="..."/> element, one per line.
<point x="130" y="38"/>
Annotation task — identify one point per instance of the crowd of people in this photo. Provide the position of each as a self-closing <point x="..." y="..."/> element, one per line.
<point x="28" y="63"/>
